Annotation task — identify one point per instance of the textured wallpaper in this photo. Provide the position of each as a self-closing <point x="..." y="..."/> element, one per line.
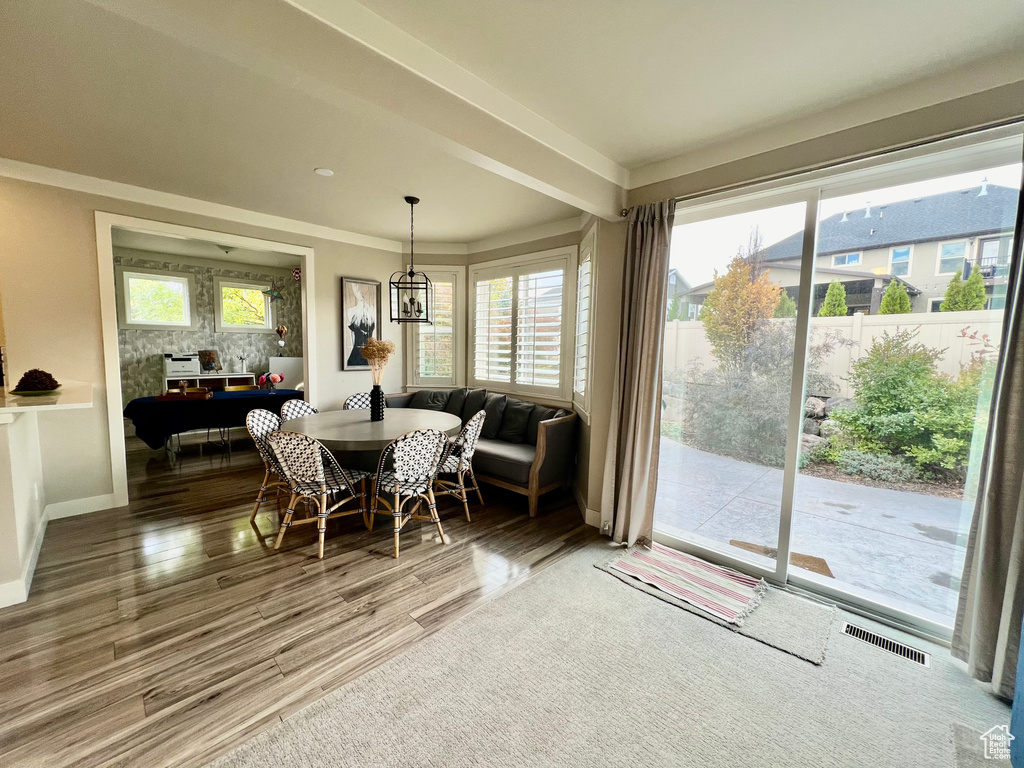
<point x="142" y="351"/>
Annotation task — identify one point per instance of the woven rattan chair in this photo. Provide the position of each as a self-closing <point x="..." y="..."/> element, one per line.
<point x="458" y="461"/>
<point x="313" y="475"/>
<point x="360" y="401"/>
<point x="417" y="456"/>
<point x="260" y="424"/>
<point x="294" y="409"/>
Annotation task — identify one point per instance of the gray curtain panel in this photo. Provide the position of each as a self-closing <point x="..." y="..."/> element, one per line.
<point x="988" y="618"/>
<point x="631" y="465"/>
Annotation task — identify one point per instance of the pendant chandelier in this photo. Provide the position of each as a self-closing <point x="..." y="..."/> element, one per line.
<point x="411" y="291"/>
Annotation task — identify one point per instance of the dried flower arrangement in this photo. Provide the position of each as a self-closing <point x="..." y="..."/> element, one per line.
<point x="376" y="352"/>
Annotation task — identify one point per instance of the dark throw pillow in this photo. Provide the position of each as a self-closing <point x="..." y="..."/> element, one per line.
<point x="495" y="406"/>
<point x="474" y="404"/>
<point x="515" y="421"/>
<point x="540" y="413"/>
<point x="430" y="399"/>
<point x="456" y="400"/>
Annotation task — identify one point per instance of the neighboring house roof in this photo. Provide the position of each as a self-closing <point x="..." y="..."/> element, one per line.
<point x="963" y="213"/>
<point x="846" y="275"/>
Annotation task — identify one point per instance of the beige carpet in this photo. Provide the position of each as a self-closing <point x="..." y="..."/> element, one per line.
<point x="575" y="668"/>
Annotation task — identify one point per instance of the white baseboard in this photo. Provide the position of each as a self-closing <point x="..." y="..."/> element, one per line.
<point x="590" y="516"/>
<point x="14" y="592"/>
<point x="73" y="507"/>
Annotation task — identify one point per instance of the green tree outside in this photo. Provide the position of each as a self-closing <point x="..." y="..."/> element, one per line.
<point x="156" y="301"/>
<point x="896" y="300"/>
<point x="786" y="306"/>
<point x="964" y="295"/>
<point x="835" y="301"/>
<point x="243" y="306"/>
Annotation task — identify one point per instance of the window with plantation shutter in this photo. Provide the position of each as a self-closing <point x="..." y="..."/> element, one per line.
<point x="493" y="340"/>
<point x="580" y="371"/>
<point x="522" y="324"/>
<point x="435" y="349"/>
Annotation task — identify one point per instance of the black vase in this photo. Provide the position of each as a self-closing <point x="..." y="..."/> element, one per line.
<point x="376" y="403"/>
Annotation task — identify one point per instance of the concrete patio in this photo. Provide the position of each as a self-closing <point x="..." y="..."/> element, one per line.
<point x="899" y="548"/>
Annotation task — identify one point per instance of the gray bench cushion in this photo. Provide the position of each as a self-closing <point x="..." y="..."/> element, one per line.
<point x="515" y="420"/>
<point x="430" y="399"/>
<point x="505" y="461"/>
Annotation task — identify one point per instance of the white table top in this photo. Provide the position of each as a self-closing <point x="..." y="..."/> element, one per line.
<point x="71" y="395"/>
<point x="353" y="430"/>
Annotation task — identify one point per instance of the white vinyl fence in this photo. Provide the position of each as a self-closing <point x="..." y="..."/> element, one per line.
<point x="686" y="342"/>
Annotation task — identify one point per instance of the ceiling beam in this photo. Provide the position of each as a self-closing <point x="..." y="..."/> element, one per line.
<point x="282" y="42"/>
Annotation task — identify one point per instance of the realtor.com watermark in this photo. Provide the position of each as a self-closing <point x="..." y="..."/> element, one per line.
<point x="997" y="742"/>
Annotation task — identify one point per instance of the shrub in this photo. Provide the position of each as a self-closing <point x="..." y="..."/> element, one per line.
<point x="786" y="307"/>
<point x="877" y="466"/>
<point x="896" y="300"/>
<point x="735" y="309"/>
<point x="964" y="295"/>
<point x="835" y="301"/>
<point x="906" y="407"/>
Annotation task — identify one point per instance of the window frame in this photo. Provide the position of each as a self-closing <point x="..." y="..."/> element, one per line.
<point x="457" y="276"/>
<point x="587" y="253"/>
<point x="910" y="258"/>
<point x="219" y="283"/>
<point x="938" y="255"/>
<point x="564" y="258"/>
<point x="858" y="254"/>
<point x="125" y="272"/>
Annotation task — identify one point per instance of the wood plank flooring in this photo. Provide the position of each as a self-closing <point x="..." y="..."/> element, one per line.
<point x="166" y="632"/>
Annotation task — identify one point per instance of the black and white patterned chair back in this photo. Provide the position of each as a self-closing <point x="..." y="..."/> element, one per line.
<point x="301" y="457"/>
<point x="465" y="444"/>
<point x="417" y="456"/>
<point x="261" y="423"/>
<point x="295" y="409"/>
<point x="357" y="402"/>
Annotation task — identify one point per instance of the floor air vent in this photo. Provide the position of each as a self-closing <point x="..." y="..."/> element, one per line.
<point x="892" y="646"/>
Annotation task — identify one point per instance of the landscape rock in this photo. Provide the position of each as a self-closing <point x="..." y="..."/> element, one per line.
<point x="833" y="403"/>
<point x="811" y="427"/>
<point x="809" y="442"/>
<point x="828" y="427"/>
<point x="814" y="407"/>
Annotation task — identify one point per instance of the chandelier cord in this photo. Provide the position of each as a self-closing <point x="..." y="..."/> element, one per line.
<point x="412" y="233"/>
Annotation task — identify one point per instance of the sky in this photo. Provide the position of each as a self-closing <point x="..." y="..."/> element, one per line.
<point x="701" y="248"/>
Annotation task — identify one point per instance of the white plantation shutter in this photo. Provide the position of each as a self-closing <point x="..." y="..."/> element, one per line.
<point x="582" y="348"/>
<point x="539" y="328"/>
<point x="435" y="343"/>
<point x="522" y="321"/>
<point x="493" y="332"/>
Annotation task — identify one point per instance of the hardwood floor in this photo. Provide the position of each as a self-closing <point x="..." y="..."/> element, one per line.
<point x="164" y="633"/>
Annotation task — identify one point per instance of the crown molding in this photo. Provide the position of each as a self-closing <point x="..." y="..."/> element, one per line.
<point x="53" y="177"/>
<point x="529" y="234"/>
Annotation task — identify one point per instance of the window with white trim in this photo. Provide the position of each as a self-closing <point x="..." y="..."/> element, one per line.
<point x="952" y="257"/>
<point x="435" y="357"/>
<point x="522" y="323"/>
<point x="156" y="300"/>
<point x="582" y="347"/>
<point x="242" y="307"/>
<point x="899" y="261"/>
<point x="846" y="260"/>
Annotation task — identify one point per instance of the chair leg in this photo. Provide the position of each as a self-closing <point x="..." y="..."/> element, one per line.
<point x="398" y="522"/>
<point x="534" y="497"/>
<point x="321" y="525"/>
<point x="373" y="511"/>
<point x="465" y="499"/>
<point x="476" y="485"/>
<point x="287" y="519"/>
<point x="259" y="496"/>
<point x="433" y="513"/>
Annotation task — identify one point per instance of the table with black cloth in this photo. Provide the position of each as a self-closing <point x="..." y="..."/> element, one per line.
<point x="156" y="420"/>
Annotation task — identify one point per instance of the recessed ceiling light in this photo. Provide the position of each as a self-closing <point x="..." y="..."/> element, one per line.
<point x="323" y="171"/>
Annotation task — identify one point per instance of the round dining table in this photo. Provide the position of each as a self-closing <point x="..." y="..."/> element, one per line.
<point x="359" y="441"/>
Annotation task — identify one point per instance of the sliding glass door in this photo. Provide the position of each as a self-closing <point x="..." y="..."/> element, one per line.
<point x="828" y="361"/>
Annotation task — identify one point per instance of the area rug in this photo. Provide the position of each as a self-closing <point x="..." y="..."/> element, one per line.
<point x="722" y="592"/>
<point x="786" y="622"/>
<point x="573" y="669"/>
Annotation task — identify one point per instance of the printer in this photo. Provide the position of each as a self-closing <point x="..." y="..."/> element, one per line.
<point x="181" y="364"/>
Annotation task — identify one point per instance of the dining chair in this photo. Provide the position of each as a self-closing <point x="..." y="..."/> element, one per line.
<point x="416" y="456"/>
<point x="296" y="408"/>
<point x="313" y="475"/>
<point x="360" y="401"/>
<point x="260" y="423"/>
<point x="458" y="461"/>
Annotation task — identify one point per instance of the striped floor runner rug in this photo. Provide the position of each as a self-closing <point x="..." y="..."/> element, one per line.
<point x="724" y="593"/>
